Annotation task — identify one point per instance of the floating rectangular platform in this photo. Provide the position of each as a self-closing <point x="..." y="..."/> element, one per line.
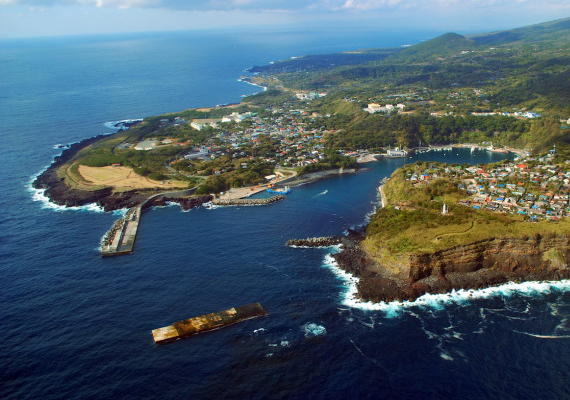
<point x="204" y="323"/>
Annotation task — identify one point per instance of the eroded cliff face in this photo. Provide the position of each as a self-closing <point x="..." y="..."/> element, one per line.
<point x="536" y="254"/>
<point x="473" y="266"/>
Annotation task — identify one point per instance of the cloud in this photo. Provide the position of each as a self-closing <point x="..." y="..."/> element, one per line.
<point x="299" y="5"/>
<point x="365" y="5"/>
<point x="193" y="5"/>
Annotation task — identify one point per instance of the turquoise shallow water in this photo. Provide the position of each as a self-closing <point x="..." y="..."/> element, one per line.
<point x="78" y="326"/>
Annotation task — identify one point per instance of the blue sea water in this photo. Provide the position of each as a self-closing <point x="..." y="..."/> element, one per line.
<point x="75" y="325"/>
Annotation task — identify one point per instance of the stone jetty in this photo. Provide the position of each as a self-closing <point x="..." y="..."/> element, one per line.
<point x="247" y="202"/>
<point x="316" y="242"/>
<point x="121" y="237"/>
<point x="208" y="322"/>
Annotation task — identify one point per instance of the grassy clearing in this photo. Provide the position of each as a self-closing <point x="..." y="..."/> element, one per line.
<point x="120" y="179"/>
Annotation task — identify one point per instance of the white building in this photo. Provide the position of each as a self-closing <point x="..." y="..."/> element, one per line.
<point x="396" y="152"/>
<point x="203" y="152"/>
<point x="200" y="124"/>
<point x="373" y="108"/>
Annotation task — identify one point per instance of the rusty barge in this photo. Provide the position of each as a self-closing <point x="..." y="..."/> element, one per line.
<point x="208" y="322"/>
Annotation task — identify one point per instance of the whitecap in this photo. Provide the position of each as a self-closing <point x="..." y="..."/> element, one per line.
<point x="311" y="330"/>
<point x="544" y="336"/>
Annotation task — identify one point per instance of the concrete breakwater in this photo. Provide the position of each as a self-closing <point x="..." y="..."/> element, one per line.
<point x="247" y="202"/>
<point x="121" y="237"/>
<point x="316" y="242"/>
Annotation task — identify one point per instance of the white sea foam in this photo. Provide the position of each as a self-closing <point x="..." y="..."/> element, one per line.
<point x="120" y="124"/>
<point x="120" y="212"/>
<point x="39" y="195"/>
<point x="210" y="206"/>
<point x="437" y="301"/>
<point x="254" y="84"/>
<point x="545" y="336"/>
<point x="311" y="330"/>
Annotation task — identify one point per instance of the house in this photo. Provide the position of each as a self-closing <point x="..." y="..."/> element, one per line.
<point x="373" y="108"/>
<point x="202" y="152"/>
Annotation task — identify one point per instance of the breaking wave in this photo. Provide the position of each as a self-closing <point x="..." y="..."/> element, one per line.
<point x="39" y="194"/>
<point x="437" y="301"/>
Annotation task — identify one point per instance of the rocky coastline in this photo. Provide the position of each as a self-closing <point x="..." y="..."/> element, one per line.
<point x="186" y="203"/>
<point x="474" y="266"/>
<point x="60" y="193"/>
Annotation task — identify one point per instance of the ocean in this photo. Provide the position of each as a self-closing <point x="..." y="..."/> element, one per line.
<point x="78" y="326"/>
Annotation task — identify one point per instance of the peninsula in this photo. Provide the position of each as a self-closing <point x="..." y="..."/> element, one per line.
<point x="450" y="227"/>
<point x="323" y="113"/>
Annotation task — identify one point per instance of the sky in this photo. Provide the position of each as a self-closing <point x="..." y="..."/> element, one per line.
<point x="38" y="18"/>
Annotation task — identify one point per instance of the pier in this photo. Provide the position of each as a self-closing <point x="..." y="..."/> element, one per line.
<point x="247" y="202"/>
<point x="204" y="323"/>
<point x="121" y="237"/>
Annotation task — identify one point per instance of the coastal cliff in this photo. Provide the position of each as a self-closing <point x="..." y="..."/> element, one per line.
<point x="58" y="192"/>
<point x="474" y="266"/>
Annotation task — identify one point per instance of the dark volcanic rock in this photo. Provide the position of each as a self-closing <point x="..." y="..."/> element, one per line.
<point x="475" y="266"/>
<point x="315" y="242"/>
<point x="60" y="193"/>
<point x="185" y="202"/>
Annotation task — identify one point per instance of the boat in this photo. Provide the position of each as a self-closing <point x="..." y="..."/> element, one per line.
<point x="283" y="190"/>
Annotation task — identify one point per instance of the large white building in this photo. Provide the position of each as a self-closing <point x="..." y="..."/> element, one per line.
<point x="396" y="152"/>
<point x="200" y="124"/>
<point x="375" y="107"/>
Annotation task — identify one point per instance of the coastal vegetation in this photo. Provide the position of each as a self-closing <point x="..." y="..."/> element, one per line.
<point x="506" y="88"/>
<point x="414" y="220"/>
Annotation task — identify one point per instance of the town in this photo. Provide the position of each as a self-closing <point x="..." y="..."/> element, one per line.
<point x="534" y="187"/>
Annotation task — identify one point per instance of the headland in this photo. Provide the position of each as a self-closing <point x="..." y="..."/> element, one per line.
<point x="435" y="236"/>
